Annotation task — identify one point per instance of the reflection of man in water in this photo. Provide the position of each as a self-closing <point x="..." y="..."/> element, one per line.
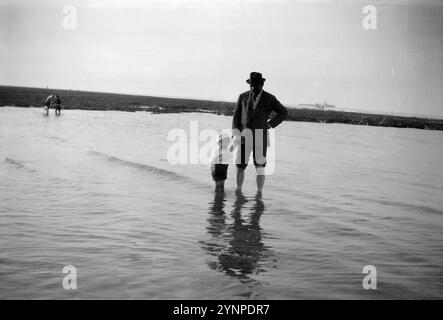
<point x="240" y="249"/>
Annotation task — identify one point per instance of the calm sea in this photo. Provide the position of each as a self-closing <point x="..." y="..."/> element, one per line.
<point x="94" y="190"/>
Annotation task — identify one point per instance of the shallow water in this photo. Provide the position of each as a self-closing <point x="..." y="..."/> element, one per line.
<point x="94" y="190"/>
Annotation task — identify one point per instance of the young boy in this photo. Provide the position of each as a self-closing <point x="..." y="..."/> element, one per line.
<point x="219" y="162"/>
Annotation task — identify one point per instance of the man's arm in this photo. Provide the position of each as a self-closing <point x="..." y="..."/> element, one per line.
<point x="236" y="120"/>
<point x="281" y="111"/>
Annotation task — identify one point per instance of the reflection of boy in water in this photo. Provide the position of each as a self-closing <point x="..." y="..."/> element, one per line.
<point x="217" y="218"/>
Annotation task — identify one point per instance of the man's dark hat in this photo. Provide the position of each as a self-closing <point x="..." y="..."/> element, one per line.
<point x="255" y="77"/>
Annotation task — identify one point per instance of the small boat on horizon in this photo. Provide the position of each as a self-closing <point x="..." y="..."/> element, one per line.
<point x="321" y="106"/>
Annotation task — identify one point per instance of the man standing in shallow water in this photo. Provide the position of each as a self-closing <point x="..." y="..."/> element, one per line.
<point x="250" y="126"/>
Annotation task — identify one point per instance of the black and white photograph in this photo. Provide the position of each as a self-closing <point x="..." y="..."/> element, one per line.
<point x="221" y="150"/>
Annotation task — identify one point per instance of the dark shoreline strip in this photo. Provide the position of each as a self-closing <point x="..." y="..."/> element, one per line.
<point x="84" y="100"/>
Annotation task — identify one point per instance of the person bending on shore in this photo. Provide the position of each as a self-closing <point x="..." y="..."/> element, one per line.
<point x="47" y="104"/>
<point x="250" y="126"/>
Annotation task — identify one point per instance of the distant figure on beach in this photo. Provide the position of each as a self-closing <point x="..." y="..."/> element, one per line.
<point x="47" y="104"/>
<point x="58" y="105"/>
<point x="250" y="126"/>
<point x="220" y="161"/>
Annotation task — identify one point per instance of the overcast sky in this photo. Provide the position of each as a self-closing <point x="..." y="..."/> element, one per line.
<point x="309" y="51"/>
